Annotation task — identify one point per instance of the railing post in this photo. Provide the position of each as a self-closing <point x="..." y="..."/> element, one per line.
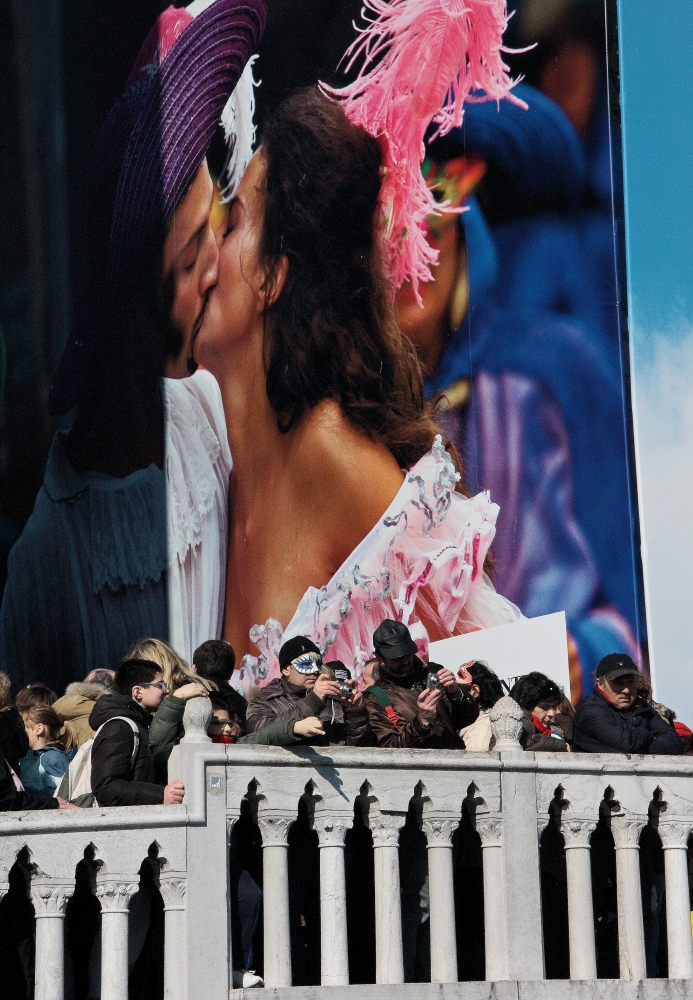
<point x="389" y="959"/>
<point x="439" y="831"/>
<point x="674" y="835"/>
<point x="114" y="892"/>
<point x="583" y="954"/>
<point x="631" y="934"/>
<point x="334" y="946"/>
<point x="520" y="843"/>
<point x="173" y="888"/>
<point x="490" y="829"/>
<point x="274" y="827"/>
<point x="50" y="897"/>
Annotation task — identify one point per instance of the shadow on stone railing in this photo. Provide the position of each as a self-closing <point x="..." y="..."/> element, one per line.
<point x="509" y="797"/>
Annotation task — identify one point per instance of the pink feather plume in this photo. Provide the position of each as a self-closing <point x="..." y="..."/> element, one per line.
<point x="422" y="60"/>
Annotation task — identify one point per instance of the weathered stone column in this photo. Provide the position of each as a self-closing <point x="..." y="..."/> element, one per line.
<point x="490" y="829"/>
<point x="50" y="897"/>
<point x="334" y="945"/>
<point x="520" y="850"/>
<point x="439" y="831"/>
<point x="173" y="886"/>
<point x="674" y="835"/>
<point x="114" y="892"/>
<point x="583" y="955"/>
<point x="631" y="935"/>
<point x="274" y="827"/>
<point x="389" y="961"/>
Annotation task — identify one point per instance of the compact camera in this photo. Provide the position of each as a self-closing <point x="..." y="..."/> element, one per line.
<point x="432" y="680"/>
<point x="343" y="677"/>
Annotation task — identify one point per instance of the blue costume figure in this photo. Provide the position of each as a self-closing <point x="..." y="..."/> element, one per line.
<point x="533" y="399"/>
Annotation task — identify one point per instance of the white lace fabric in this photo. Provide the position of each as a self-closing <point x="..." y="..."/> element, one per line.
<point x="198" y="466"/>
<point x="422" y="564"/>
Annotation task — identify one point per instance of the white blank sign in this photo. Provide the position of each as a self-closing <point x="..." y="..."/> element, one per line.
<point x="512" y="650"/>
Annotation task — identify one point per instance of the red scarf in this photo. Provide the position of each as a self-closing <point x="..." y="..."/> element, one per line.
<point x="540" y="727"/>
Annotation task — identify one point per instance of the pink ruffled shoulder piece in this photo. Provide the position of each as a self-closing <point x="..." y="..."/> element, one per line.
<point x="422" y="562"/>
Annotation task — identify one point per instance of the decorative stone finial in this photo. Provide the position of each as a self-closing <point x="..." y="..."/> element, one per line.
<point x="198" y="712"/>
<point x="506" y="724"/>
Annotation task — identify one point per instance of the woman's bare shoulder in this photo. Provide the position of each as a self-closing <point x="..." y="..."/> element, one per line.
<point x="350" y="470"/>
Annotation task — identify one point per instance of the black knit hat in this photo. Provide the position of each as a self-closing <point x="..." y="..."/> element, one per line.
<point x="615" y="665"/>
<point x="391" y="640"/>
<point x="296" y="647"/>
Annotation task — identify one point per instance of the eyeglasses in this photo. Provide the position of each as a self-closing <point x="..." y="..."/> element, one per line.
<point x="162" y="685"/>
<point x="308" y="663"/>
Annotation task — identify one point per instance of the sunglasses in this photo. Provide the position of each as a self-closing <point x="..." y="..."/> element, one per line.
<point x="308" y="663"/>
<point x="214" y="721"/>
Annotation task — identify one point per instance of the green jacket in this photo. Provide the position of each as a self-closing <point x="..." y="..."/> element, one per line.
<point x="167" y="729"/>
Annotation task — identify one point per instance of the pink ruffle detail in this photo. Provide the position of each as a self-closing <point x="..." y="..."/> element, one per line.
<point x="423" y="559"/>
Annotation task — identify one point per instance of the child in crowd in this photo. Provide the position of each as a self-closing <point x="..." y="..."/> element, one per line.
<point x="37" y="693"/>
<point x="52" y="745"/>
<point x="14" y="743"/>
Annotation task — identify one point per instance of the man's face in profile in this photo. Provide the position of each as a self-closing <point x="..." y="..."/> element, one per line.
<point x="190" y="261"/>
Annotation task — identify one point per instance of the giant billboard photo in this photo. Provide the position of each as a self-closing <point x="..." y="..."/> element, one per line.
<point x="373" y="367"/>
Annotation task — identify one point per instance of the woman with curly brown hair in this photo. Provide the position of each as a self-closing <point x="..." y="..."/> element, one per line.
<point x="345" y="506"/>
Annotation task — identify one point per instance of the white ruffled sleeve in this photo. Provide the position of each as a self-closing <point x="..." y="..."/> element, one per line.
<point x="198" y="465"/>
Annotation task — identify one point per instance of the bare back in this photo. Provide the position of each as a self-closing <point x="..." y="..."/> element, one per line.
<point x="320" y="495"/>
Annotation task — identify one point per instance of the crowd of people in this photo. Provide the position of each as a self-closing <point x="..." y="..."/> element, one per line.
<point x="126" y="721"/>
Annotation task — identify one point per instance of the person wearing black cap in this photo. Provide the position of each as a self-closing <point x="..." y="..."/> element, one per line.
<point x="404" y="710"/>
<point x="125" y="536"/>
<point x="305" y="690"/>
<point x="614" y="720"/>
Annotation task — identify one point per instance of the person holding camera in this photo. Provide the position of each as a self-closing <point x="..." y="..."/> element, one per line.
<point x="306" y="688"/>
<point x="413" y="704"/>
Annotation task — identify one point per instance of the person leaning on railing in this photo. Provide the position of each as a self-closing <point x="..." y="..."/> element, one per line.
<point x="540" y="700"/>
<point x="613" y="719"/>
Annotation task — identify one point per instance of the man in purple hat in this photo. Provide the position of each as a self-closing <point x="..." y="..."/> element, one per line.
<point x="134" y="506"/>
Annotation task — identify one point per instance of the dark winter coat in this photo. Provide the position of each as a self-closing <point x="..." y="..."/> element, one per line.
<point x="399" y="725"/>
<point x="11" y="799"/>
<point x="14" y="742"/>
<point x="532" y="739"/>
<point x="113" y="780"/>
<point x="282" y="700"/>
<point x="600" y="727"/>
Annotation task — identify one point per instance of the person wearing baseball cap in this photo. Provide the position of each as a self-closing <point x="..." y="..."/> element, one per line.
<point x="125" y="536"/>
<point x="404" y="708"/>
<point x="614" y="720"/>
<point x="306" y="690"/>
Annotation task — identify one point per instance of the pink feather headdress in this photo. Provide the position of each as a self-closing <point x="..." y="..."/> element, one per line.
<point x="422" y="60"/>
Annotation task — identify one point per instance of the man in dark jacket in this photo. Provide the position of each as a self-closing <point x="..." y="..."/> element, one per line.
<point x="116" y="779"/>
<point x="304" y="690"/>
<point x="403" y="711"/>
<point x="215" y="661"/>
<point x="614" y="720"/>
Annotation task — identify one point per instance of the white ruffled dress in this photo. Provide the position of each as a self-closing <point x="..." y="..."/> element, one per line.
<point x="422" y="562"/>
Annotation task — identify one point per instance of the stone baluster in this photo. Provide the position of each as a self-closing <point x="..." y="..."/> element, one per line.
<point x="389" y="961"/>
<point x="520" y="850"/>
<point x="50" y="897"/>
<point x="173" y="887"/>
<point x="631" y="935"/>
<point x="334" y="946"/>
<point x="274" y="827"/>
<point x="583" y="955"/>
<point x="490" y="829"/>
<point x="439" y="831"/>
<point x="674" y="835"/>
<point x="114" y="892"/>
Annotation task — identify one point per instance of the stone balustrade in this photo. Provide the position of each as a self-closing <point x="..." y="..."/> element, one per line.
<point x="509" y="797"/>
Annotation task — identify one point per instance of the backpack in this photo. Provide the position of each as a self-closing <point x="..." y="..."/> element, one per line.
<point x="76" y="783"/>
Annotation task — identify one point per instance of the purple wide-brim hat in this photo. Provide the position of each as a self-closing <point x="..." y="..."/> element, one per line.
<point x="145" y="159"/>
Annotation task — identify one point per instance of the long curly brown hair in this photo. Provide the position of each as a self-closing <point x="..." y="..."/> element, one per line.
<point x="332" y="333"/>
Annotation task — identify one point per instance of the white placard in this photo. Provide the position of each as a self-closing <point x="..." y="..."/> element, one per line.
<point x="512" y="650"/>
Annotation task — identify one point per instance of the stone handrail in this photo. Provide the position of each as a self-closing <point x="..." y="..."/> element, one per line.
<point x="509" y="795"/>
